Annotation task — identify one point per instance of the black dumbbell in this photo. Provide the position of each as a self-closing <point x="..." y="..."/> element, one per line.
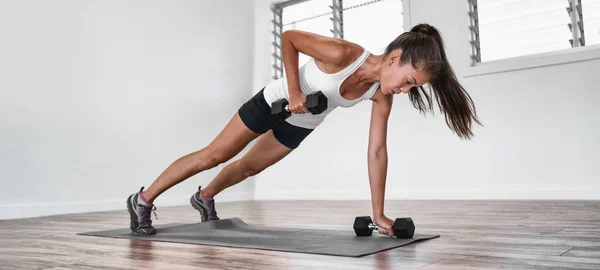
<point x="403" y="228"/>
<point x="316" y="103"/>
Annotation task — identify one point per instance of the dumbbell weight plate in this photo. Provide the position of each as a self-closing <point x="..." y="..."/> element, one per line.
<point x="280" y="107"/>
<point x="404" y="228"/>
<point x="361" y="226"/>
<point x="316" y="102"/>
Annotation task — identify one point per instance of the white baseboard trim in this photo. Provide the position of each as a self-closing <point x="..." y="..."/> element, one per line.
<point x="15" y="211"/>
<point x="432" y="194"/>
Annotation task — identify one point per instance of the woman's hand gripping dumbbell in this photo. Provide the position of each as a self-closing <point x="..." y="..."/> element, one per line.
<point x="316" y="103"/>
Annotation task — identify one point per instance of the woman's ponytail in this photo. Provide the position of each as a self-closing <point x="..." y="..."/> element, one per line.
<point x="423" y="47"/>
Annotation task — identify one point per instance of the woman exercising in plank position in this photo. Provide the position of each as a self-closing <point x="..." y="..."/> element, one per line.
<point x="346" y="74"/>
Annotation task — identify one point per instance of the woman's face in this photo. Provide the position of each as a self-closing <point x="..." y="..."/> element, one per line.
<point x="399" y="78"/>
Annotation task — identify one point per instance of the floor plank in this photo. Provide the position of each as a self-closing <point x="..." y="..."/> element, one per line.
<point x="583" y="252"/>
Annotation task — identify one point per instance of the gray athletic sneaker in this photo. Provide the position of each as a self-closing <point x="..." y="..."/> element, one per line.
<point x="140" y="214"/>
<point x="206" y="207"/>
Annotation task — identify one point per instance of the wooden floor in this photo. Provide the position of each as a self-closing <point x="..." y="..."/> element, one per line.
<point x="474" y="235"/>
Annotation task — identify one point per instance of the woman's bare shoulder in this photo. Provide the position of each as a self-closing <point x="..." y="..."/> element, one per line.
<point x="350" y="52"/>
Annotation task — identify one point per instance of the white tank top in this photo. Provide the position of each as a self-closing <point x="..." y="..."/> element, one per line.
<point x="312" y="79"/>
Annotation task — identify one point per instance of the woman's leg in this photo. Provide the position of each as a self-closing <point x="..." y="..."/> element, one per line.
<point x="232" y="139"/>
<point x="266" y="152"/>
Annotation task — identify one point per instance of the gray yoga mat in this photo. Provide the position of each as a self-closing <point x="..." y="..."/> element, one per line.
<point x="234" y="232"/>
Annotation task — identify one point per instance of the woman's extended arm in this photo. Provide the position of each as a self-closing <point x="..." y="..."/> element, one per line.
<point x="378" y="156"/>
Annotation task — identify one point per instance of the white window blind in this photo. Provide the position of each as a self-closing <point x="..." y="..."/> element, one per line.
<point x="373" y="24"/>
<point x="591" y="21"/>
<point x="311" y="16"/>
<point x="511" y="28"/>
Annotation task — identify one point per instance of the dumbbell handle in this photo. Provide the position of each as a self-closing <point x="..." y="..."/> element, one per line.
<point x="373" y="226"/>
<point x="287" y="107"/>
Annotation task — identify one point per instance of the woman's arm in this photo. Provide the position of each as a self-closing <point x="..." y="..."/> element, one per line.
<point x="377" y="151"/>
<point x="330" y="51"/>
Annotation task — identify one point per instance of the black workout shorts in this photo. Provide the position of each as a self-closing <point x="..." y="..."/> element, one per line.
<point x="256" y="115"/>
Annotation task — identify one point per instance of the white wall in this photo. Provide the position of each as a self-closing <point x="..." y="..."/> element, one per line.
<point x="540" y="139"/>
<point x="99" y="97"/>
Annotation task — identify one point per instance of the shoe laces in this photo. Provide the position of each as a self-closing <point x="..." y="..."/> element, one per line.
<point x="211" y="204"/>
<point x="146" y="213"/>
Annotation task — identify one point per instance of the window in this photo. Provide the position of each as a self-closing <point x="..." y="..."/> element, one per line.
<point x="591" y="21"/>
<point x="311" y="16"/>
<point x="353" y="20"/>
<point x="503" y="29"/>
<point x="373" y="25"/>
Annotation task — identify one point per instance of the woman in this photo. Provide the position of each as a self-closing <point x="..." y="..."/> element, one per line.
<point x="347" y="74"/>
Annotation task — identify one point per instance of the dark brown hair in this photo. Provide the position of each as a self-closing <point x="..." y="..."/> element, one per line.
<point x="424" y="49"/>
